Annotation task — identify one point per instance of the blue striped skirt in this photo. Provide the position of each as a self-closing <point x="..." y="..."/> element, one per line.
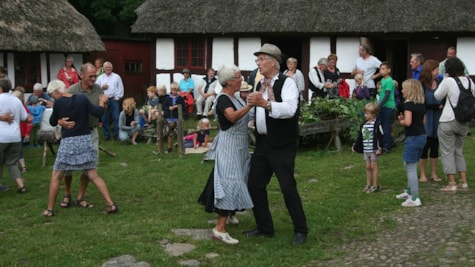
<point x="76" y="153"/>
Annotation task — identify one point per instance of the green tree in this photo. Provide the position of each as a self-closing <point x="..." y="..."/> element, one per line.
<point x="109" y="17"/>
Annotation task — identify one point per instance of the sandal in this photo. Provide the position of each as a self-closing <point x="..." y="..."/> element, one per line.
<point x="436" y="179"/>
<point x="66" y="201"/>
<point x="23" y="170"/>
<point x="84" y="204"/>
<point x="21" y="190"/>
<point x="111" y="209"/>
<point x="48" y="213"/>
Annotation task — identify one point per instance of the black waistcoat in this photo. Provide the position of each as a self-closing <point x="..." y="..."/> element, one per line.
<point x="281" y="132"/>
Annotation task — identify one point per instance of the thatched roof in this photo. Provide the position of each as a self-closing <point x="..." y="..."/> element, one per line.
<point x="304" y="16"/>
<point x="45" y="26"/>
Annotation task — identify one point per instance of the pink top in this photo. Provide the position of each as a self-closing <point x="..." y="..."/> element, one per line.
<point x="69" y="77"/>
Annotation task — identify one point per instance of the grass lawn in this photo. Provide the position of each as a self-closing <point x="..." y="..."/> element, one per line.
<point x="157" y="193"/>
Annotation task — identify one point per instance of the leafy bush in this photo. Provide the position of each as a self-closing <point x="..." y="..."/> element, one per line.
<point x="321" y="109"/>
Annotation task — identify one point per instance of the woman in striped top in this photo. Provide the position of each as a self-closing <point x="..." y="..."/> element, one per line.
<point x="230" y="152"/>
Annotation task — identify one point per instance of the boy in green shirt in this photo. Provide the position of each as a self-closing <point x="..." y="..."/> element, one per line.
<point x="386" y="105"/>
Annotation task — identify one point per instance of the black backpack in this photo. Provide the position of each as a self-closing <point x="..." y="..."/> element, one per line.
<point x="465" y="109"/>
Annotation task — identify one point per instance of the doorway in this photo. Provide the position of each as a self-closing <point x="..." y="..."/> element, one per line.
<point x="290" y="47"/>
<point x="396" y="53"/>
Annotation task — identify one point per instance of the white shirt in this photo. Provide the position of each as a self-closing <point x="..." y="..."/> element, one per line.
<point x="210" y="88"/>
<point x="313" y="77"/>
<point x="369" y="67"/>
<point x="449" y="88"/>
<point x="279" y="110"/>
<point x="10" y="132"/>
<point x="116" y="87"/>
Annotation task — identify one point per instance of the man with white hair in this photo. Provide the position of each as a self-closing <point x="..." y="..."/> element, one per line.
<point x="317" y="84"/>
<point x="112" y="85"/>
<point x="43" y="97"/>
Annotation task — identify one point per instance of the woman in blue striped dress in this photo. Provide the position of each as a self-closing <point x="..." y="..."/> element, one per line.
<point x="230" y="152"/>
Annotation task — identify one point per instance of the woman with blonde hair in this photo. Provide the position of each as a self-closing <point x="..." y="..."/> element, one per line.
<point x="129" y="122"/>
<point x="332" y="75"/>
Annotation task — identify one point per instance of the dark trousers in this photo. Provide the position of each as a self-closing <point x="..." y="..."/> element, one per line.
<point x="264" y="162"/>
<point x="386" y="115"/>
<point x="432" y="144"/>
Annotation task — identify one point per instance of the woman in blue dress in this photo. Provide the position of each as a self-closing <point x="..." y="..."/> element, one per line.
<point x="430" y="82"/>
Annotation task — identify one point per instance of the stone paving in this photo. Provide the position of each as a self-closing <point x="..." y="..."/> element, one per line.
<point x="439" y="233"/>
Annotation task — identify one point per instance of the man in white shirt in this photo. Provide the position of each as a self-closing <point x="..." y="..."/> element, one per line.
<point x="112" y="85"/>
<point x="207" y="94"/>
<point x="368" y="66"/>
<point x="276" y="102"/>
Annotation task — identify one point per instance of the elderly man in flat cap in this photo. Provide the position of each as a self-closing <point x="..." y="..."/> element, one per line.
<point x="276" y="112"/>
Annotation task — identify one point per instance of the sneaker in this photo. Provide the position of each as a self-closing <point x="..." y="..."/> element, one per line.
<point x="404" y="195"/>
<point x="411" y="203"/>
<point x="224" y="237"/>
<point x="4" y="188"/>
<point x="366" y="188"/>
<point x="169" y="150"/>
<point x="449" y="188"/>
<point x="373" y="189"/>
<point x="232" y="219"/>
<point x="462" y="186"/>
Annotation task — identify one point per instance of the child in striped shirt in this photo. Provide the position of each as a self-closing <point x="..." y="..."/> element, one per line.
<point x="369" y="142"/>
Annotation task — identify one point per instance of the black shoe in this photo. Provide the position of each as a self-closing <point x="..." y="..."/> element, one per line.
<point x="299" y="238"/>
<point x="257" y="233"/>
<point x="107" y="139"/>
<point x="198" y="117"/>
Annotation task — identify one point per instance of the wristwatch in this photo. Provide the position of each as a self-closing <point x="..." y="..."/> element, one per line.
<point x="268" y="106"/>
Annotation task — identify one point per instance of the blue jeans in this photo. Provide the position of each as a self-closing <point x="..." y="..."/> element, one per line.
<point x="413" y="146"/>
<point x="112" y="110"/>
<point x="386" y="116"/>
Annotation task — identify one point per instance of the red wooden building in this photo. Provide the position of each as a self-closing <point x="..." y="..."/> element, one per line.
<point x="131" y="60"/>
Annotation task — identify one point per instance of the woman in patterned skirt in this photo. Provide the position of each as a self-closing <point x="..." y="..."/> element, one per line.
<point x="76" y="151"/>
<point x="228" y="180"/>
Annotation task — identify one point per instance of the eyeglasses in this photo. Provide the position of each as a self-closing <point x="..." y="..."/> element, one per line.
<point x="92" y="76"/>
<point x="237" y="78"/>
<point x="262" y="59"/>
